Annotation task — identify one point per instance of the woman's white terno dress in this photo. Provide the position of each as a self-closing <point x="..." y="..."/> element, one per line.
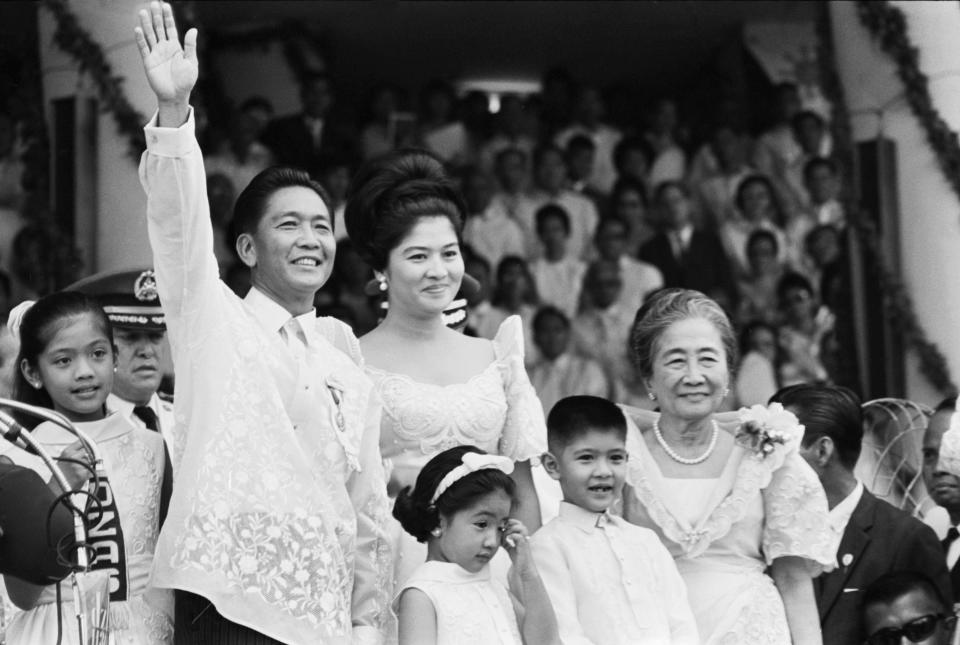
<point x="496" y="410"/>
<point x="723" y="533"/>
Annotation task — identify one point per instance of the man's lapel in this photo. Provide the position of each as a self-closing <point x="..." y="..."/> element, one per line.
<point x="855" y="539"/>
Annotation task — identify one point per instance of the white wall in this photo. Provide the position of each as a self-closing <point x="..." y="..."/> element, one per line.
<point x="111" y="213"/>
<point x="930" y="210"/>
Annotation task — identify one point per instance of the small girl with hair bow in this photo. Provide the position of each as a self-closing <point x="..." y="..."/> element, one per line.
<point x="461" y="508"/>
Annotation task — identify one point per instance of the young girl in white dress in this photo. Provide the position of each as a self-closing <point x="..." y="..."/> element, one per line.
<point x="66" y="363"/>
<point x="461" y="508"/>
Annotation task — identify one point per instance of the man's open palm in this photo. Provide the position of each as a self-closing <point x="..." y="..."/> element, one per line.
<point x="171" y="69"/>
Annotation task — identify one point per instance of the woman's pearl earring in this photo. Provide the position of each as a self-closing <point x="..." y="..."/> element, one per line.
<point x="653" y="397"/>
<point x="436" y="532"/>
<point x="382" y="281"/>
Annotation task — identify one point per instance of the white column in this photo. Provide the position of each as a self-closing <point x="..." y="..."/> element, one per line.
<point x="111" y="206"/>
<point x="929" y="209"/>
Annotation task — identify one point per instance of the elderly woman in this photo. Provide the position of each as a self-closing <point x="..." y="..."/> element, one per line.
<point x="728" y="494"/>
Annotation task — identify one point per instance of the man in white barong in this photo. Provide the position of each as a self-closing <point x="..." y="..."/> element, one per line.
<point x="275" y="528"/>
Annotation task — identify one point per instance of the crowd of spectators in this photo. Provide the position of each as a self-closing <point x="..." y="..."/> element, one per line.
<point x="571" y="221"/>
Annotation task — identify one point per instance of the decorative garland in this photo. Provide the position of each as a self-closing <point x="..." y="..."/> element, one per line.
<point x="888" y="25"/>
<point x="896" y="298"/>
<point x="76" y="41"/>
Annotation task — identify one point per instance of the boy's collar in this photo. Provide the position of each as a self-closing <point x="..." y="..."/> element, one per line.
<point x="586" y="521"/>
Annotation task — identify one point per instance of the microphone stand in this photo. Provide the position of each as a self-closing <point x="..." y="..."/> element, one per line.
<point x="91" y="632"/>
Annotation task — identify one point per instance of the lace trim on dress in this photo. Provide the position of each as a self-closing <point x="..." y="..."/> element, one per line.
<point x="437" y="417"/>
<point x="795" y="518"/>
<point x="524" y="434"/>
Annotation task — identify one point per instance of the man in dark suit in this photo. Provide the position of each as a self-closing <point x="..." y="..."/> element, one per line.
<point x="302" y="140"/>
<point x="686" y="257"/>
<point x="944" y="488"/>
<point x="877" y="538"/>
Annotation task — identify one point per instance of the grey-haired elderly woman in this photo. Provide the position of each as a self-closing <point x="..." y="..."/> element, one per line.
<point x="728" y="493"/>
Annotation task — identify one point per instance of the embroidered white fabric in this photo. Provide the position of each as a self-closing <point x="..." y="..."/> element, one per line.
<point x="763" y="508"/>
<point x="496" y="410"/>
<point x="270" y="524"/>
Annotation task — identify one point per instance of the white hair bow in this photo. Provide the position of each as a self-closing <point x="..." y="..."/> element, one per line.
<point x="16" y="317"/>
<point x="472" y="462"/>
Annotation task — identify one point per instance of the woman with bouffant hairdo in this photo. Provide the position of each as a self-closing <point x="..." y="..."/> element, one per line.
<point x="439" y="388"/>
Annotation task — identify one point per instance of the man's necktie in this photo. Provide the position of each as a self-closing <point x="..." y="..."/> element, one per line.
<point x="952" y="535"/>
<point x="148" y="416"/>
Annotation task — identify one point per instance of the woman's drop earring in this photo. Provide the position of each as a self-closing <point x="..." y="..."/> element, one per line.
<point x="382" y="282"/>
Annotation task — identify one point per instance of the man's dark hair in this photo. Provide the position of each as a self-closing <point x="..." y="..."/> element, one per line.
<point x="949" y="403"/>
<point x="827" y="411"/>
<point x="580" y="142"/>
<point x="890" y="586"/>
<point x="555" y="211"/>
<point x="574" y="416"/>
<point x="251" y="205"/>
<point x="549" y="311"/>
<point x="819" y="162"/>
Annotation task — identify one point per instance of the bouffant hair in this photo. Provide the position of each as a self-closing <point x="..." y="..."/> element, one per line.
<point x="669" y="306"/>
<point x="390" y="194"/>
<point x="418" y="515"/>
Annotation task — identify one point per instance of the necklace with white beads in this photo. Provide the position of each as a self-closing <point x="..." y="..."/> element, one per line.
<point x="687" y="461"/>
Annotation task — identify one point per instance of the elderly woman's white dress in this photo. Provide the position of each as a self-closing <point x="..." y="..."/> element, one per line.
<point x="724" y="532"/>
<point x="496" y="410"/>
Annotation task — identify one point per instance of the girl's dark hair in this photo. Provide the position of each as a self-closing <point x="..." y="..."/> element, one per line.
<point x="251" y="204"/>
<point x="37" y="329"/>
<point x="389" y="194"/>
<point x="418" y="516"/>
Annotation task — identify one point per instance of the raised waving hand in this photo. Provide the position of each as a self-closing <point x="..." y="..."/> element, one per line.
<point x="171" y="70"/>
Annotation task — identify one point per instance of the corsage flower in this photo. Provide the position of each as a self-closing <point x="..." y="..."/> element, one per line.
<point x="763" y="428"/>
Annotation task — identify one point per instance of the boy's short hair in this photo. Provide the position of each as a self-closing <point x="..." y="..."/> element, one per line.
<point x="886" y="589"/>
<point x="574" y="416"/>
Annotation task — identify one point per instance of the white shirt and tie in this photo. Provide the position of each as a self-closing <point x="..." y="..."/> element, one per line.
<point x="162" y="411"/>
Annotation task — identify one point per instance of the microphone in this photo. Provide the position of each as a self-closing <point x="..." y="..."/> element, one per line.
<point x="12" y="429"/>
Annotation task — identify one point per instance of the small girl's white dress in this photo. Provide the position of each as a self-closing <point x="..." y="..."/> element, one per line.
<point x="134" y="461"/>
<point x="472" y="608"/>
<point x="496" y="410"/>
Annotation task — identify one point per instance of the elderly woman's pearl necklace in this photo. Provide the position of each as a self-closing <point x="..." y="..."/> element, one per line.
<point x="691" y="461"/>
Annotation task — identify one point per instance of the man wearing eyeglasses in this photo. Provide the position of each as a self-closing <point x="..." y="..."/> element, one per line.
<point x="906" y="605"/>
